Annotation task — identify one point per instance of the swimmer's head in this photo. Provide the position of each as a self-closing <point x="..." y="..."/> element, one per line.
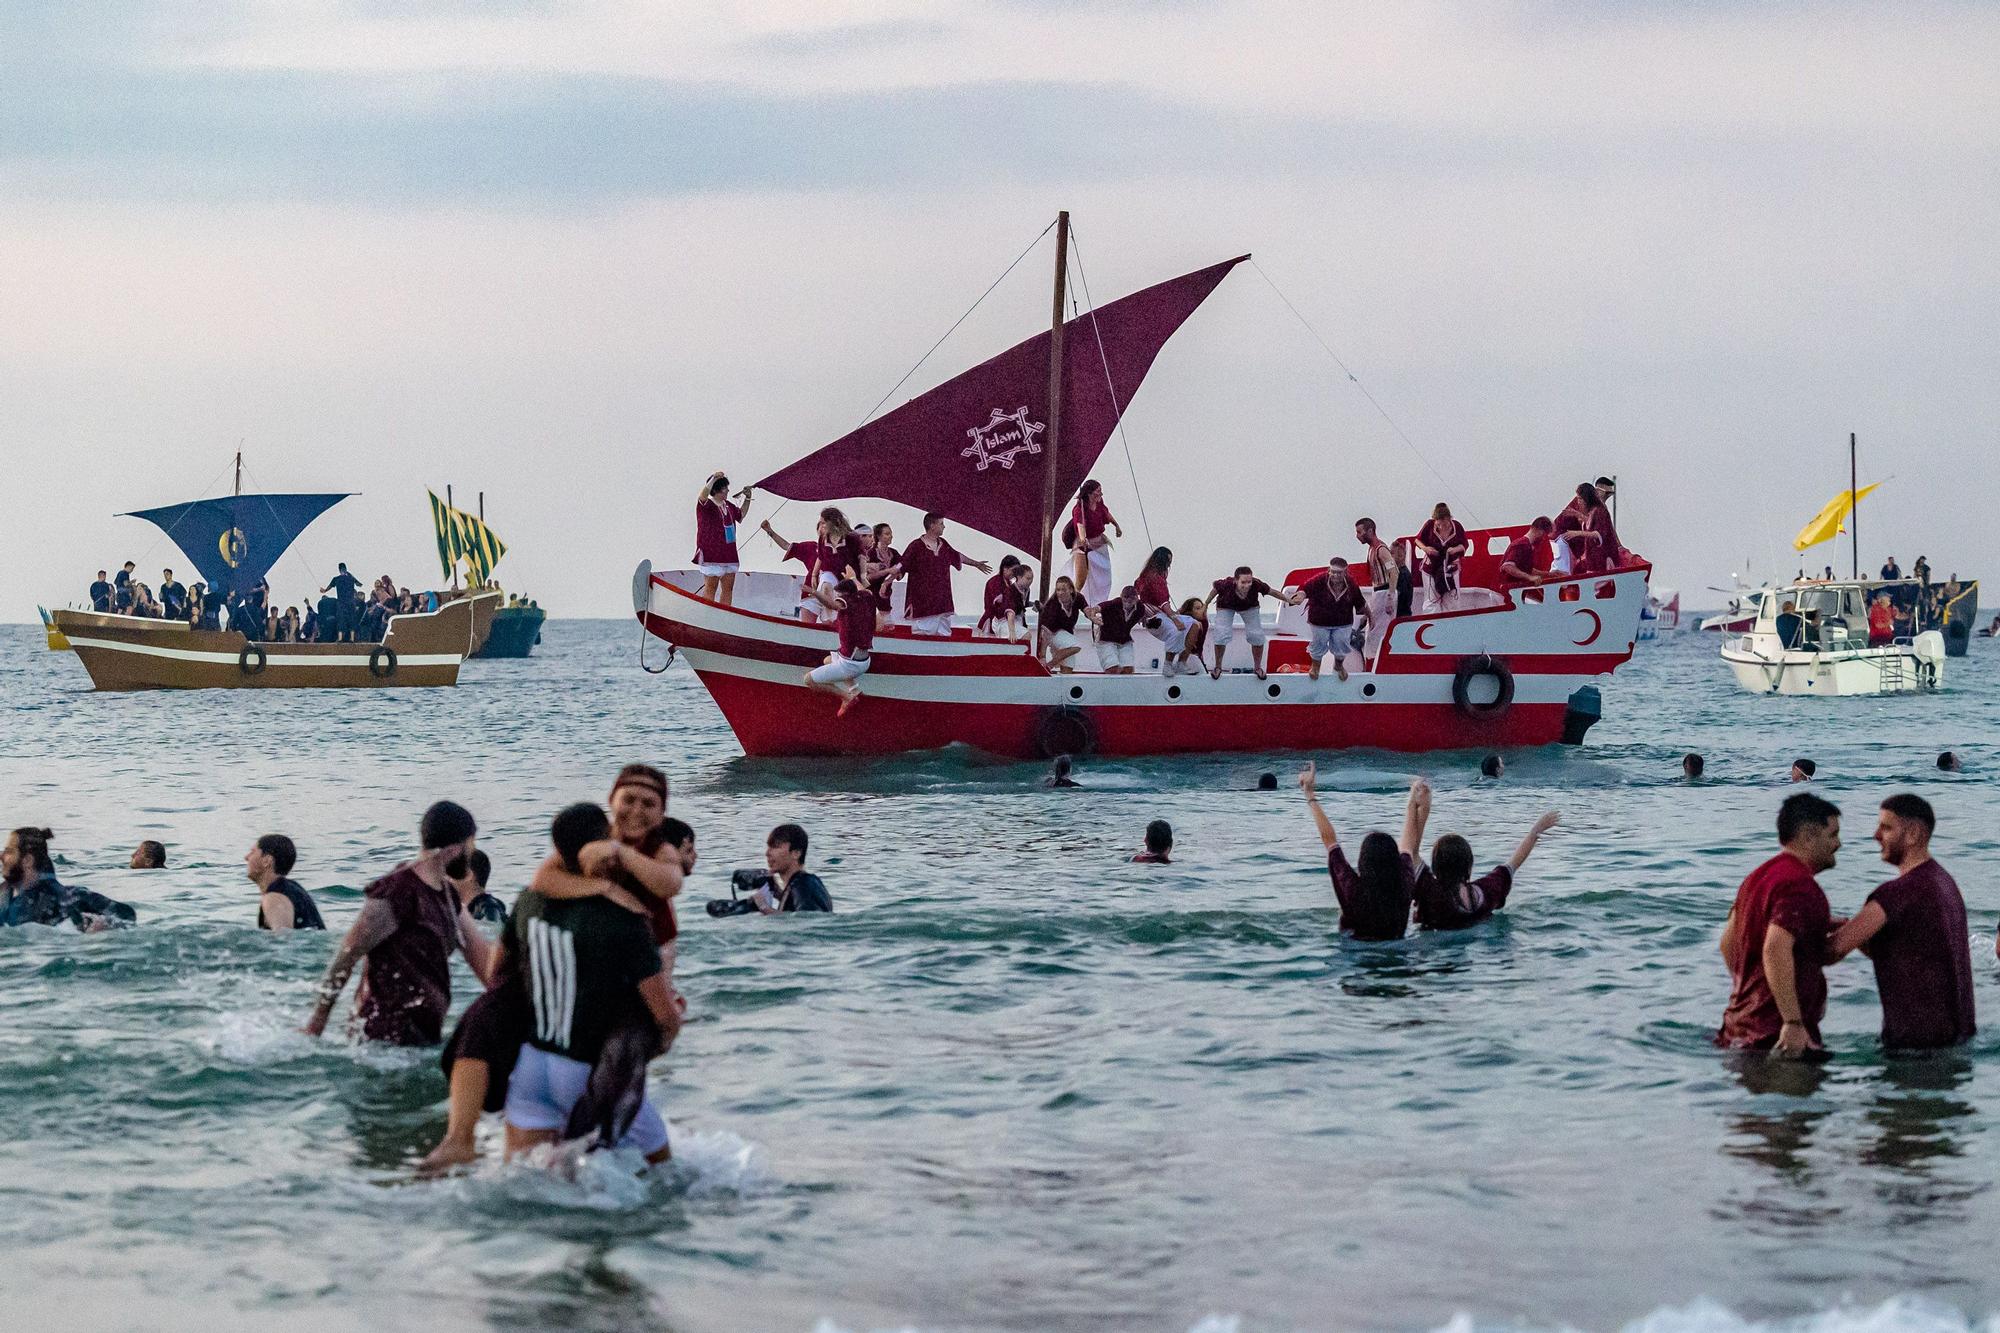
<point x="1492" y="766"/>
<point x="1803" y="770"/>
<point x="26" y="853"/>
<point x="1380" y="908"/>
<point x="272" y="856"/>
<point x="1267" y="782"/>
<point x="1692" y="765"/>
<point x="785" y="849"/>
<point x="1451" y="860"/>
<point x="1159" y="837"/>
<point x="576" y="827"/>
<point x="149" y="855"/>
<point x="1061" y="766"/>
<point x="1949" y="763"/>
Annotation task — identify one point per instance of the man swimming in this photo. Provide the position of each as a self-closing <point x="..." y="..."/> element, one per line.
<point x="281" y="904"/>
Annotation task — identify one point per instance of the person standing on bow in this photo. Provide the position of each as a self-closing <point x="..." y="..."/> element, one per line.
<point x="927" y="565"/>
<point x="1092" y="548"/>
<point x="1332" y="605"/>
<point x="1152" y="581"/>
<point x="1238" y="600"/>
<point x="1443" y="542"/>
<point x="715" y="520"/>
<point x="808" y="554"/>
<point x="1381" y="589"/>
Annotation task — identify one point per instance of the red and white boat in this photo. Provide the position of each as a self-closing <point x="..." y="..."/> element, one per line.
<point x="1502" y="668"/>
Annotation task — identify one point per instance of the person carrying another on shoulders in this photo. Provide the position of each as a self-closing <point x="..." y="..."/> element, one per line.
<point x="1374" y="896"/>
<point x="1443" y="541"/>
<point x="1159" y="849"/>
<point x="1056" y="626"/>
<point x="1449" y="898"/>
<point x="1007" y="604"/>
<point x="715" y="554"/>
<point x="927" y="565"/>
<point x="1152" y="581"/>
<point x="1237" y="600"/>
<point x="1381" y="587"/>
<point x="1774" y="942"/>
<point x="281" y="904"/>
<point x="1881" y="621"/>
<point x="1914" y="930"/>
<point x="840" y="676"/>
<point x="1337" y="616"/>
<point x="584" y="957"/>
<point x="410" y="924"/>
<point x="1522" y="566"/>
<point x="100" y="593"/>
<point x="31" y="895"/>
<point x="791" y="887"/>
<point x="1085" y="536"/>
<point x="1115" y="621"/>
<point x="469" y="876"/>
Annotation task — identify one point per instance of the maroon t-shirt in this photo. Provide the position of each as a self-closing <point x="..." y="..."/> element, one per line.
<point x="1521" y="555"/>
<point x="1091" y="520"/>
<point x="1228" y="599"/>
<point x="807" y="554"/>
<point x="1152" y="586"/>
<point x="1780" y="892"/>
<point x="1923" y="961"/>
<point x="1000" y="600"/>
<point x="857" y="622"/>
<point x="1116" y="625"/>
<point x="715" y="533"/>
<point x="927" y="574"/>
<point x="1386" y="919"/>
<point x="1439" y="908"/>
<point x="409" y="974"/>
<point x="1058" y="621"/>
<point x="1329" y="609"/>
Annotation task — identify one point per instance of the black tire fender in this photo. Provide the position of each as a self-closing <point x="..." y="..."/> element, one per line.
<point x="1469" y="670"/>
<point x="1065" y="730"/>
<point x="252" y="653"/>
<point x="381" y="661"/>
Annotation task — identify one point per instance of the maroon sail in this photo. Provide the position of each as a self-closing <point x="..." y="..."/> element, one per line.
<point x="973" y="448"/>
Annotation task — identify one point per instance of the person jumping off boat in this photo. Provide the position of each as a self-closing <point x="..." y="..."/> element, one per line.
<point x="843" y="669"/>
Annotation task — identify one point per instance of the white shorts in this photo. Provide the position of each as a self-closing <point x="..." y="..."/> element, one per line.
<point x="1224" y="627"/>
<point x="1061" y="639"/>
<point x="938" y="625"/>
<point x="546" y="1087"/>
<point x="840" y="669"/>
<point x="1173" y="632"/>
<point x="716" y="571"/>
<point x="1342" y="639"/>
<point x="1111" y="655"/>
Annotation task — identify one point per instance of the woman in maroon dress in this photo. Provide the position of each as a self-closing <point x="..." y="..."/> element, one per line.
<point x="1443" y="542"/>
<point x="715" y="520"/>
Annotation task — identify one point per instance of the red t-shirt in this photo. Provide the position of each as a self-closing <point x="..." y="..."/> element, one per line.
<point x="1328" y="609"/>
<point x="1056" y="620"/>
<point x="1116" y="625"/>
<point x="1001" y="597"/>
<point x="1881" y="623"/>
<point x="1439" y="908"/>
<point x="1152" y="586"/>
<point x="1090" y="522"/>
<point x="1923" y="961"/>
<point x="857" y="623"/>
<point x="928" y="576"/>
<point x="1780" y="892"/>
<point x="409" y="974"/>
<point x="807" y="554"/>
<point x="1521" y="555"/>
<point x="1228" y="599"/>
<point x="715" y="533"/>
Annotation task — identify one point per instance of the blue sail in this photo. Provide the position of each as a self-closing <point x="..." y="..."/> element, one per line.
<point x="234" y="540"/>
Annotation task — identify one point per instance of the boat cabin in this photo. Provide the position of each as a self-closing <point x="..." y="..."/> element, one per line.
<point x="1832" y="616"/>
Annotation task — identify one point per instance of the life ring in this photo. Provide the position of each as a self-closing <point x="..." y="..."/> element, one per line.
<point x="1065" y="730"/>
<point x="1469" y="670"/>
<point x="251" y="652"/>
<point x="381" y="661"/>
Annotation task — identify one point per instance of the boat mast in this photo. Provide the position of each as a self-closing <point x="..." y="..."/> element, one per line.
<point x="447" y="505"/>
<point x="1049" y="496"/>
<point x="239" y="472"/>
<point x="1853" y="509"/>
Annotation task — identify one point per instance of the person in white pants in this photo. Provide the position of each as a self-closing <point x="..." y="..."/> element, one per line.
<point x="1238" y="600"/>
<point x="1381" y="593"/>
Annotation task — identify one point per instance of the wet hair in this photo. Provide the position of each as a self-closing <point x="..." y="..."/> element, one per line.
<point x="1380" y="909"/>
<point x="481" y="866"/>
<point x="674" y="832"/>
<point x="1061" y="766"/>
<point x="792" y="836"/>
<point x="1267" y="782"/>
<point x="1159" y="837"/>
<point x="153" y="854"/>
<point x="1803" y="810"/>
<point x="34" y="844"/>
<point x="1490" y="766"/>
<point x="284" y="855"/>
<point x="1451" y="860"/>
<point x="1805" y="766"/>
<point x="1948" y="762"/>
<point x="576" y="827"/>
<point x="1241" y="570"/>
<point x="1158" y="562"/>
<point x="1906" y="805"/>
<point x="446" y="824"/>
<point x="1692" y="765"/>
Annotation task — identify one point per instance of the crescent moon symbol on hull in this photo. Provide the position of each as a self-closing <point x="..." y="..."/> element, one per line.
<point x="1596" y="627"/>
<point x="1421" y="631"/>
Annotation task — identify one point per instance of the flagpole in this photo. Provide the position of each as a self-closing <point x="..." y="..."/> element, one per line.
<point x="1049" y="496"/>
<point x="1853" y="509"/>
<point x="447" y="514"/>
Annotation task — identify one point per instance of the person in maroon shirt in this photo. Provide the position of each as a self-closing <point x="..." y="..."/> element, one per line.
<point x="1337" y="615"/>
<point x="1091" y="548"/>
<point x="1610" y="553"/>
<point x="1374" y="896"/>
<point x="1583" y="532"/>
<point x="1007" y="603"/>
<point x="1449" y="898"/>
<point x="1914" y="930"/>
<point x="927" y="565"/>
<point x="1775" y="941"/>
<point x="1152" y="581"/>
<point x="883" y="571"/>
<point x="1443" y="541"/>
<point x="1056" y="629"/>
<point x="843" y="670"/>
<point x="1115" y="620"/>
<point x="715" y="520"/>
<point x="1237" y="600"/>
<point x="410" y="924"/>
<point x="1523" y="566"/>
<point x="808" y="554"/>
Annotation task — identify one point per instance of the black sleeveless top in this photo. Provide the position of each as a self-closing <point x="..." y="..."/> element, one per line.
<point x="305" y="912"/>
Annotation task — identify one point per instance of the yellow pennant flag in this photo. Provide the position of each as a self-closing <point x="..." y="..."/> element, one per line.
<point x="1830" y="521"/>
<point x="462" y="536"/>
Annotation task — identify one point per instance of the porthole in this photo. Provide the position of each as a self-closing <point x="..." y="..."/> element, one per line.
<point x="1272" y="690"/>
<point x="1368" y="691"/>
<point x="1076" y="691"/>
<point x="1173" y="691"/>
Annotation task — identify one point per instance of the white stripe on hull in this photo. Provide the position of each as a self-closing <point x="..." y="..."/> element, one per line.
<point x="275" y="656"/>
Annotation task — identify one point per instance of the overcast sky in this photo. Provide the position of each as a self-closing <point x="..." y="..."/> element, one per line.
<point x="577" y="255"/>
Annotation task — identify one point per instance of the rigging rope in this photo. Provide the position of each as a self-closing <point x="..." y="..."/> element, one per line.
<point x="1354" y="379"/>
<point x="1117" y="408"/>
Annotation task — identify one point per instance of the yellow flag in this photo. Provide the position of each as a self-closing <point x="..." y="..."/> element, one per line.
<point x="1830" y="521"/>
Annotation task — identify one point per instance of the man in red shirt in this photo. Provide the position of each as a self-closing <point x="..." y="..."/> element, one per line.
<point x="927" y="566"/>
<point x="1914" y="930"/>
<point x="1775" y="942"/>
<point x="1881" y="621"/>
<point x="1332" y="605"/>
<point x="843" y="670"/>
<point x="1237" y="600"/>
<point x="1523" y="566"/>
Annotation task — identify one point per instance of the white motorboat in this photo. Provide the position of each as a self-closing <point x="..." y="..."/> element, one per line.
<point x="1741" y="615"/>
<point x="1812" y="638"/>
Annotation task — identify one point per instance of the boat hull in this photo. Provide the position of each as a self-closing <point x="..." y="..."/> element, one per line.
<point x="1869" y="671"/>
<point x="514" y="633"/>
<point x="428" y="649"/>
<point x="926" y="693"/>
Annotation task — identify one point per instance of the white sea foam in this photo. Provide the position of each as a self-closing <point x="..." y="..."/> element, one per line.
<point x="1899" y="1314"/>
<point x="714" y="1162"/>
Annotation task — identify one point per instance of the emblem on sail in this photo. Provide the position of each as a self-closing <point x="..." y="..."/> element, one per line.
<point x="233" y="547"/>
<point x="1005" y="436"/>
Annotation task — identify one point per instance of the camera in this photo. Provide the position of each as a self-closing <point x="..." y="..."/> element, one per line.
<point x="741" y="882"/>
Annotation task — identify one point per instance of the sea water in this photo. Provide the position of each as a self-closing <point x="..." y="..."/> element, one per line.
<point x="1014" y="1082"/>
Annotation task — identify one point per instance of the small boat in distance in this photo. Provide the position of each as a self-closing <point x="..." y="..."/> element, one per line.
<point x="514" y="628"/>
<point x="1812" y="638"/>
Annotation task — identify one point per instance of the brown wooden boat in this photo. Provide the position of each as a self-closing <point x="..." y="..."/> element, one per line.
<point x="130" y="653"/>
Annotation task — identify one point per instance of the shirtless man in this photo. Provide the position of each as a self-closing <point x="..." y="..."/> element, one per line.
<point x="1381" y="592"/>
